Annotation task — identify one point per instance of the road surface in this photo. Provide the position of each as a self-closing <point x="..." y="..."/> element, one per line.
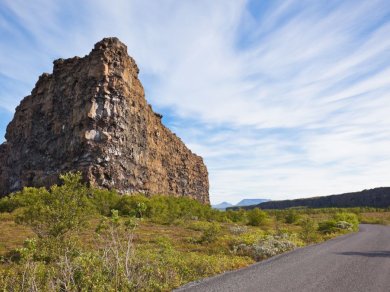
<point x="353" y="262"/>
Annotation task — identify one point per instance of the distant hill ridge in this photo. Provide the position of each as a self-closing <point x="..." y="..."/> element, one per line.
<point x="222" y="206"/>
<point x="248" y="202"/>
<point x="244" y="202"/>
<point x="377" y="198"/>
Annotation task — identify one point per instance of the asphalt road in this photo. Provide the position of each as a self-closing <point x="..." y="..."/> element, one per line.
<point x="353" y="262"/>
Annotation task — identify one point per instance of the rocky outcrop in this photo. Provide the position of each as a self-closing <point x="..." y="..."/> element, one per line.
<point x="377" y="198"/>
<point x="91" y="115"/>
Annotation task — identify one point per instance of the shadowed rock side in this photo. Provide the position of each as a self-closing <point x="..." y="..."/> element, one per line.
<point x="377" y="198"/>
<point x="91" y="115"/>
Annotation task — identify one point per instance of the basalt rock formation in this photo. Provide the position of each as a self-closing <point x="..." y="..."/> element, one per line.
<point x="377" y="198"/>
<point x="91" y="115"/>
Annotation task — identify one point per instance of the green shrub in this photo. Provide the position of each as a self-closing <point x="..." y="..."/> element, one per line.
<point x="211" y="233"/>
<point x="7" y="204"/>
<point x="256" y="217"/>
<point x="309" y="230"/>
<point x="236" y="216"/>
<point x="266" y="247"/>
<point x="23" y="198"/>
<point x="163" y="271"/>
<point x="104" y="200"/>
<point x="292" y="216"/>
<point x="54" y="212"/>
<point x="279" y="215"/>
<point x="128" y="205"/>
<point x="166" y="209"/>
<point x="348" y="217"/>
<point x="328" y="226"/>
<point x="340" y="222"/>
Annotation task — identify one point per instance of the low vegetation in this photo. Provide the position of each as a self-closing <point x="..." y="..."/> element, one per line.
<point x="76" y="238"/>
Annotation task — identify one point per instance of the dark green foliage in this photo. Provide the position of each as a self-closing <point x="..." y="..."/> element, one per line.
<point x="348" y="217"/>
<point x="328" y="226"/>
<point x="256" y="217"/>
<point x="104" y="200"/>
<point x="135" y="205"/>
<point x="292" y="216"/>
<point x="8" y="204"/>
<point x="159" y="209"/>
<point x="24" y="198"/>
<point x="166" y="209"/>
<point x="339" y="222"/>
<point x="54" y="212"/>
<point x="211" y="233"/>
<point x="236" y="216"/>
<point x="309" y="230"/>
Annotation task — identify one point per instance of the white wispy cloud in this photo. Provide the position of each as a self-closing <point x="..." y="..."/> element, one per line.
<point x="284" y="100"/>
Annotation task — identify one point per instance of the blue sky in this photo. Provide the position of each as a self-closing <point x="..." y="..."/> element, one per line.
<point x="283" y="99"/>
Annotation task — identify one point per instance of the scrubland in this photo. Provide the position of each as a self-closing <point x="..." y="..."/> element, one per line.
<point x="76" y="238"/>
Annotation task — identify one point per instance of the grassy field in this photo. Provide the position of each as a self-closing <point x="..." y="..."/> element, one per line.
<point x="183" y="235"/>
<point x="105" y="242"/>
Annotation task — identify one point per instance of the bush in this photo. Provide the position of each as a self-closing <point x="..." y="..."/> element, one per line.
<point x="237" y="229"/>
<point x="267" y="247"/>
<point x="163" y="271"/>
<point x="256" y="217"/>
<point x="7" y="205"/>
<point x="55" y="212"/>
<point x="112" y="266"/>
<point x="309" y="230"/>
<point x="104" y="200"/>
<point x="340" y="222"/>
<point x="236" y="216"/>
<point x="328" y="226"/>
<point x="115" y="265"/>
<point x="344" y="225"/>
<point x="166" y="209"/>
<point x="291" y="217"/>
<point x="24" y="198"/>
<point x="133" y="206"/>
<point x="211" y="233"/>
<point x="347" y="217"/>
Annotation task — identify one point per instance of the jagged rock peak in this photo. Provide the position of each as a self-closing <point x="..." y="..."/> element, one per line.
<point x="91" y="115"/>
<point x="109" y="43"/>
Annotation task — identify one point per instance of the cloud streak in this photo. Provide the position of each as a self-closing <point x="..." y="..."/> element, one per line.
<point x="281" y="98"/>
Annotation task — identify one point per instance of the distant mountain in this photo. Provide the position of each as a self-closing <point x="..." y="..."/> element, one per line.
<point x="222" y="206"/>
<point x="244" y="202"/>
<point x="248" y="202"/>
<point x="377" y="198"/>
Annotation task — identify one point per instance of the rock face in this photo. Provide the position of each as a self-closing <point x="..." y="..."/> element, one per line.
<point x="91" y="115"/>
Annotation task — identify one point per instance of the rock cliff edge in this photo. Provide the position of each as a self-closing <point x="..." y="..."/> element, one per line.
<point x="91" y="115"/>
